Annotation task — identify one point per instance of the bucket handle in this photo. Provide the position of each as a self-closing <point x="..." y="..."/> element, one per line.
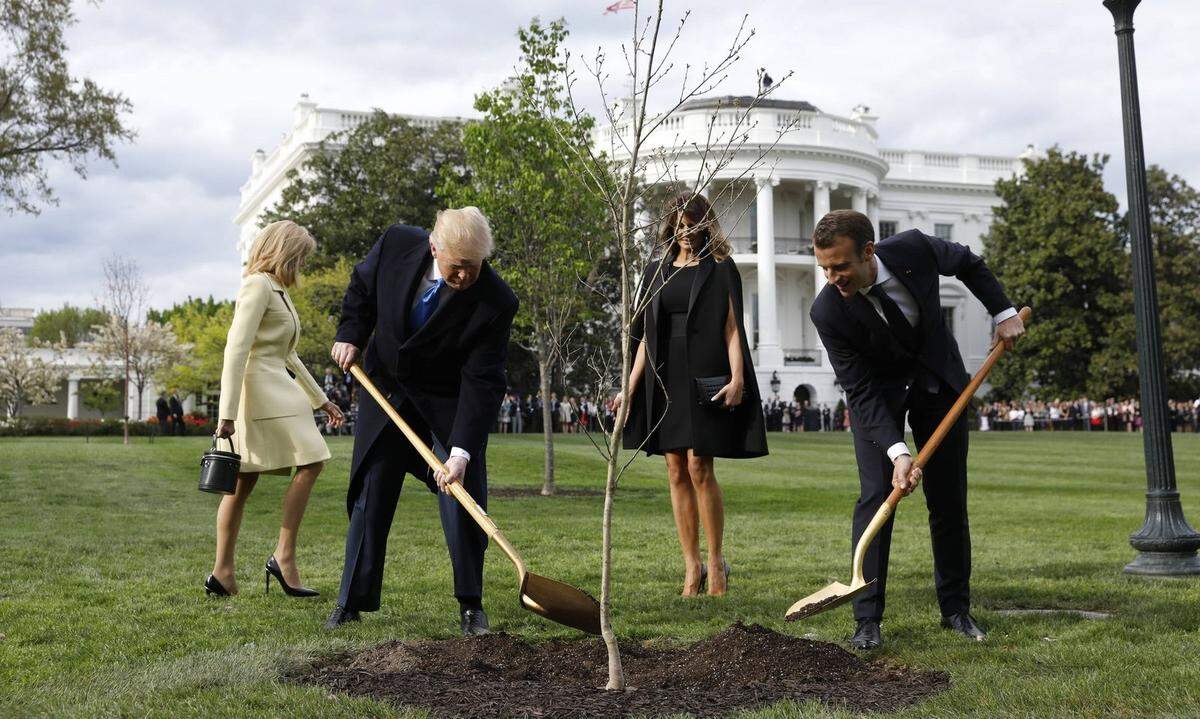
<point x="218" y="439"/>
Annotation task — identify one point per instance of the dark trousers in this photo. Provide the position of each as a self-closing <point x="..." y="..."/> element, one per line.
<point x="371" y="519"/>
<point x="945" y="488"/>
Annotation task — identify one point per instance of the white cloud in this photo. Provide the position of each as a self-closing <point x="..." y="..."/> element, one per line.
<point x="212" y="81"/>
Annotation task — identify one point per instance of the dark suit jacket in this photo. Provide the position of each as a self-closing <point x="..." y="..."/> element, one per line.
<point x="872" y="367"/>
<point x="451" y="371"/>
<point x="162" y="409"/>
<point x="715" y="432"/>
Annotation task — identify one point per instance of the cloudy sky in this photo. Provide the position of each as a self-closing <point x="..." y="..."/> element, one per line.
<point x="211" y="82"/>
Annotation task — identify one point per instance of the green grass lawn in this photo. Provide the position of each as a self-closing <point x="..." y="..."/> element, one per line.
<point x="103" y="549"/>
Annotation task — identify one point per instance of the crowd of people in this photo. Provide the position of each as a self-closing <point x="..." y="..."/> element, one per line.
<point x="569" y="414"/>
<point x="1110" y="415"/>
<point x="572" y="414"/>
<point x="804" y="417"/>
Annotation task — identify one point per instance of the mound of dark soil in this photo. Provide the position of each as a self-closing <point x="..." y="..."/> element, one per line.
<point x="502" y="676"/>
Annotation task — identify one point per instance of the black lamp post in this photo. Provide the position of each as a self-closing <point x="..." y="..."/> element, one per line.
<point x="1166" y="543"/>
<point x="775" y="383"/>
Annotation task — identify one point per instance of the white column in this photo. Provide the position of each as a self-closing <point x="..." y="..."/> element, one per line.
<point x="770" y="354"/>
<point x="73" y="398"/>
<point x="858" y="200"/>
<point x="820" y="209"/>
<point x="873" y="212"/>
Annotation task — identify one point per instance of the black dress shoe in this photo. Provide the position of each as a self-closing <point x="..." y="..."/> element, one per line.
<point x="340" y="616"/>
<point x="273" y="570"/>
<point x="474" y="622"/>
<point x="212" y="586"/>
<point x="867" y="636"/>
<point x="965" y="625"/>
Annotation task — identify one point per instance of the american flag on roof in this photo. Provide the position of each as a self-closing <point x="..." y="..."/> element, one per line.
<point x="618" y="6"/>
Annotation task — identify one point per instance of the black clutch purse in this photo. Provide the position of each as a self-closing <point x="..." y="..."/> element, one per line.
<point x="706" y="387"/>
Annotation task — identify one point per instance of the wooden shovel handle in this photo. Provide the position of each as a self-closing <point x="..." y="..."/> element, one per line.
<point x="460" y="493"/>
<point x="959" y="405"/>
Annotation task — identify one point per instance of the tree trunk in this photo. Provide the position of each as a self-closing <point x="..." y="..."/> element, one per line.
<point x="616" y="672"/>
<point x="544" y="369"/>
<point x="125" y="400"/>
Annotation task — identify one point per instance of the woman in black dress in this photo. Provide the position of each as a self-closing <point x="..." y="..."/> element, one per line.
<point x="689" y="336"/>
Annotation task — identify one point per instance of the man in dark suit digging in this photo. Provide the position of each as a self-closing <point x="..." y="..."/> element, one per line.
<point x="435" y="320"/>
<point x="880" y="319"/>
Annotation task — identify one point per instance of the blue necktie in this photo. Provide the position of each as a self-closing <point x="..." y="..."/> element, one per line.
<point x="424" y="309"/>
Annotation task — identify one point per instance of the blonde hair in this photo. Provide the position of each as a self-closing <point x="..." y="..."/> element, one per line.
<point x="464" y="231"/>
<point x="279" y="250"/>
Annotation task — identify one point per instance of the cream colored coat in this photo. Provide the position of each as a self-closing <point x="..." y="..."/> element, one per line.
<point x="273" y="422"/>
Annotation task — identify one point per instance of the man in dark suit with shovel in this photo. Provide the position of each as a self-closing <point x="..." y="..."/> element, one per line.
<point x="880" y="319"/>
<point x="435" y="320"/>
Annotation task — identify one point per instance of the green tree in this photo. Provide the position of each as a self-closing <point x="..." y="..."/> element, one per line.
<point x="1175" y="235"/>
<point x="203" y="336"/>
<point x="191" y="306"/>
<point x="45" y="113"/>
<point x="68" y="324"/>
<point x="360" y="181"/>
<point x="1055" y="246"/>
<point x="526" y="179"/>
<point x="318" y="299"/>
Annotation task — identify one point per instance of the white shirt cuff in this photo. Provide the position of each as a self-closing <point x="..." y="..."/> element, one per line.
<point x="1004" y="314"/>
<point x="460" y="452"/>
<point x="896" y="450"/>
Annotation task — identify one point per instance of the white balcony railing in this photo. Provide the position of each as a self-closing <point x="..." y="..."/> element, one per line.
<point x="783" y="245"/>
<point x="728" y="125"/>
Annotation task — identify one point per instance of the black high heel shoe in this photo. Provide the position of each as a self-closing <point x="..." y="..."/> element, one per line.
<point x="728" y="573"/>
<point x="273" y="570"/>
<point x="212" y="586"/>
<point x="700" y="585"/>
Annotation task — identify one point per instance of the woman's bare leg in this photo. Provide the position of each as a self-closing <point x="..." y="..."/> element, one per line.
<point x="683" y="504"/>
<point x="229" y="521"/>
<point x="711" y="507"/>
<point x="294" y="502"/>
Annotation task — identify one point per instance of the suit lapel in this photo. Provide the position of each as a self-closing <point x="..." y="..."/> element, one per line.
<point x="287" y="302"/>
<point x="862" y="309"/>
<point x="446" y="308"/>
<point x="702" y="272"/>
<point x="654" y="287"/>
<point x="412" y="273"/>
<point x="904" y="274"/>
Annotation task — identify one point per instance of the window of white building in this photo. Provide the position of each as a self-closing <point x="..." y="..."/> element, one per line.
<point x="753" y="215"/>
<point x="948" y="318"/>
<point x="887" y="228"/>
<point x="943" y="231"/>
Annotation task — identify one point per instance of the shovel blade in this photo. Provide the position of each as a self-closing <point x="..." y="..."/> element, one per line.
<point x="560" y="602"/>
<point x="831" y="596"/>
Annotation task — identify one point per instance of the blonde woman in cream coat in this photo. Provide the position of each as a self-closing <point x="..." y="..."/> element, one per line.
<point x="267" y="403"/>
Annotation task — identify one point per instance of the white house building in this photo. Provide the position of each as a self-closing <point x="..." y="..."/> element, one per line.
<point x="768" y="209"/>
<point x="268" y="171"/>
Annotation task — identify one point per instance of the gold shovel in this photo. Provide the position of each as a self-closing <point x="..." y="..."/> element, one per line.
<point x="552" y="599"/>
<point x="837" y="593"/>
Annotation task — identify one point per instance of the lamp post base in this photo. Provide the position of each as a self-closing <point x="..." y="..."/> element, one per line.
<point x="1165" y="564"/>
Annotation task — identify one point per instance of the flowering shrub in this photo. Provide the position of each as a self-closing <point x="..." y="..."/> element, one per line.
<point x="194" y="425"/>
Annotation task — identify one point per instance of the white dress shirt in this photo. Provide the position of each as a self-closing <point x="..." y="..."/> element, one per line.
<point x="429" y="280"/>
<point x="899" y="294"/>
